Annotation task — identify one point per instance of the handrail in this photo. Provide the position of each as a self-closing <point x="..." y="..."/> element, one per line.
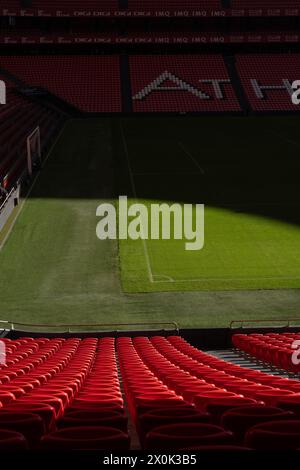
<point x="68" y="326"/>
<point x="6" y="199"/>
<point x="271" y="320"/>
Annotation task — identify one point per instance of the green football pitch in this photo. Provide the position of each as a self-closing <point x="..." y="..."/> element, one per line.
<point x="244" y="170"/>
<point x="53" y="269"/>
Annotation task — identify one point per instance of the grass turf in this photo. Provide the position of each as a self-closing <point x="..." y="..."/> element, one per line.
<point x="244" y="171"/>
<point x="53" y="268"/>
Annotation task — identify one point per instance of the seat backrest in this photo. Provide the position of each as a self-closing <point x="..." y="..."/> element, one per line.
<point x="30" y="425"/>
<point x="239" y="420"/>
<point x="12" y="440"/>
<point x="177" y="436"/>
<point x="280" y="435"/>
<point x="86" y="437"/>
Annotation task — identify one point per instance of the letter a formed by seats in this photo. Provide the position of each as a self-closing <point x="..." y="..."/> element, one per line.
<point x="179" y="84"/>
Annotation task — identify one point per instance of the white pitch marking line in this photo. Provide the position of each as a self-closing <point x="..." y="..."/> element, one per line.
<point x="32" y="186"/>
<point x="286" y="139"/>
<point x="163" y="276"/>
<point x="150" y="275"/>
<point x="181" y="145"/>
<point x="168" y="173"/>
<point x="233" y="279"/>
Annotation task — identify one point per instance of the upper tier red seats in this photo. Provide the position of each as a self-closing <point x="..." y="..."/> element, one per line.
<point x="83" y="8"/>
<point x="77" y="38"/>
<point x="191" y="83"/>
<point x="168" y="83"/>
<point x="267" y="79"/>
<point x="91" y="83"/>
<point x="265" y="4"/>
<point x="169" y="5"/>
<point x="62" y="5"/>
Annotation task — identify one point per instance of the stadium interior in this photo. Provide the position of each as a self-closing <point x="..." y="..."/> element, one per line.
<point x="138" y="344"/>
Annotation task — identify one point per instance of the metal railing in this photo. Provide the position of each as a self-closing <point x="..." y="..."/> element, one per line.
<point x="287" y="322"/>
<point x="67" y="327"/>
<point x="2" y="206"/>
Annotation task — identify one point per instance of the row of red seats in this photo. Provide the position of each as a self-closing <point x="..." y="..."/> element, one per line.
<point x="278" y="349"/>
<point x="169" y="5"/>
<point x="90" y="83"/>
<point x="66" y="394"/>
<point x="79" y="8"/>
<point x="161" y="37"/>
<point x="236" y="372"/>
<point x="265" y="4"/>
<point x="63" y="394"/>
<point x="62" y="5"/>
<point x="209" y="414"/>
<point x="169" y="83"/>
<point x="280" y="396"/>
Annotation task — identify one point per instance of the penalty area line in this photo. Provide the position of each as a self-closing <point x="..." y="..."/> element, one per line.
<point x="164" y="278"/>
<point x="181" y="145"/>
<point x="278" y="278"/>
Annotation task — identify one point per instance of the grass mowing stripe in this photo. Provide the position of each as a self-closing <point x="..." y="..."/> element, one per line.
<point x="148" y="263"/>
<point x="54" y="270"/>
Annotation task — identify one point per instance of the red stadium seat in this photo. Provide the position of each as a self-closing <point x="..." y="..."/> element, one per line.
<point x="184" y="435"/>
<point x="6" y="397"/>
<point x="241" y="419"/>
<point x="271" y="397"/>
<point x="90" y="438"/>
<point x="45" y="411"/>
<point x="11" y="440"/>
<point x="290" y="403"/>
<point x="29" y="424"/>
<point x="165" y="416"/>
<point x="280" y="435"/>
<point x="106" y="417"/>
<point x="217" y="407"/>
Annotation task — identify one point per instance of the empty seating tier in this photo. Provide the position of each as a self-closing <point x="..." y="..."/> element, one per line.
<point x="79" y="394"/>
<point x="265" y="4"/>
<point x="157" y="8"/>
<point x="90" y="83"/>
<point x="65" y="6"/>
<point x="279" y="349"/>
<point x="193" y="83"/>
<point x="171" y="5"/>
<point x="200" y="83"/>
